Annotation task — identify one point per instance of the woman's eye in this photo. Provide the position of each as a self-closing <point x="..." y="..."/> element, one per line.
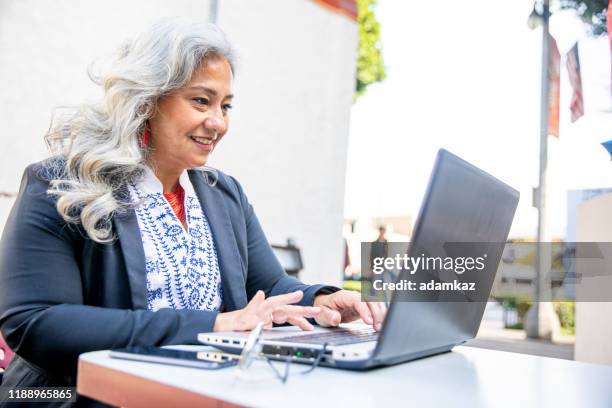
<point x="201" y="101"/>
<point x="227" y="107"/>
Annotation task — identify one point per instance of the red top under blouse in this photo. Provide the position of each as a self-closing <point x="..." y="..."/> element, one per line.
<point x="177" y="202"/>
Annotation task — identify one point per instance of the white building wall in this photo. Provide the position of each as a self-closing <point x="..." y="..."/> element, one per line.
<point x="288" y="136"/>
<point x="593" y="321"/>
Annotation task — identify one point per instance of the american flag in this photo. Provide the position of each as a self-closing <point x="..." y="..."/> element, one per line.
<point x="573" y="68"/>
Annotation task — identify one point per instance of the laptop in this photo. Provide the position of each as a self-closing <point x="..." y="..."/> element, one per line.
<point x="462" y="204"/>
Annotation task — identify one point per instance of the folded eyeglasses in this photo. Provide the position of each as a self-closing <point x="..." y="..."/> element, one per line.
<point x="253" y="351"/>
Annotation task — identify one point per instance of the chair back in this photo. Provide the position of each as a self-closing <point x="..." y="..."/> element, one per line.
<point x="290" y="257"/>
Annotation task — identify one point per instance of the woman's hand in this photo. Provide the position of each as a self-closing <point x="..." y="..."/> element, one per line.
<point x="345" y="306"/>
<point x="275" y="309"/>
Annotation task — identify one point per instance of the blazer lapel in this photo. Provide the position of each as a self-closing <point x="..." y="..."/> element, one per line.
<point x="232" y="275"/>
<point x="128" y="233"/>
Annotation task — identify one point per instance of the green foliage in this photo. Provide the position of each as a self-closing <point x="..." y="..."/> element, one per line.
<point x="567" y="316"/>
<point x="564" y="309"/>
<point x="370" y="66"/>
<point x="593" y="12"/>
<point x="520" y="303"/>
<point x="353" y="285"/>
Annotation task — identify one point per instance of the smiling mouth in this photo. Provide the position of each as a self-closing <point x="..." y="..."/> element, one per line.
<point x="202" y="140"/>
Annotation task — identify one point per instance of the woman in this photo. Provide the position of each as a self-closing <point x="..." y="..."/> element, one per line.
<point x="123" y="238"/>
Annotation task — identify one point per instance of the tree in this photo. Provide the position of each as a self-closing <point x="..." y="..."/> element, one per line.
<point x="370" y="66"/>
<point x="593" y="12"/>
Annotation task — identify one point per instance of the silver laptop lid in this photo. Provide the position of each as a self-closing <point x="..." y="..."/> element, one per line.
<point x="463" y="204"/>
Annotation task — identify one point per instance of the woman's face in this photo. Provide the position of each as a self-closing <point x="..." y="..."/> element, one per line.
<point x="190" y="122"/>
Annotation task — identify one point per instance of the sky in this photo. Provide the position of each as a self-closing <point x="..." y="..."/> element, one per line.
<point x="466" y="77"/>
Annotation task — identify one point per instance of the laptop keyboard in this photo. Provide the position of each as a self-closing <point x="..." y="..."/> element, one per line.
<point x="336" y="337"/>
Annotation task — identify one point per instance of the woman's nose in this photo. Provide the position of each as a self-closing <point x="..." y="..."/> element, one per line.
<point x="215" y="123"/>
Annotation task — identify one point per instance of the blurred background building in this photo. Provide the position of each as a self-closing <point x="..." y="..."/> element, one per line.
<point x="294" y="87"/>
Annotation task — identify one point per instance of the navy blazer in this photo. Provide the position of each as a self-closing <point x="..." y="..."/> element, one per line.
<point x="62" y="294"/>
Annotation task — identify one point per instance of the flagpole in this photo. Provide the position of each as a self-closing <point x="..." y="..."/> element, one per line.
<point x="213" y="11"/>
<point x="540" y="318"/>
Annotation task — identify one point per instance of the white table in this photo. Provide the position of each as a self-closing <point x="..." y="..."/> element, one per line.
<point x="466" y="377"/>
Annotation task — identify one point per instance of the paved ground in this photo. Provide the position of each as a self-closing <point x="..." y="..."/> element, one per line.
<point x="492" y="335"/>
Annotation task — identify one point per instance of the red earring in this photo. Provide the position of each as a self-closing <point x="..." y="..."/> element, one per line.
<point x="145" y="136"/>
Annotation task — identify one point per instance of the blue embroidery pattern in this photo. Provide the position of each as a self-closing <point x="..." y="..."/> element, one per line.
<point x="182" y="266"/>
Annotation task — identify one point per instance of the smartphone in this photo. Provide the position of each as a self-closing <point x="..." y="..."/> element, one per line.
<point x="209" y="360"/>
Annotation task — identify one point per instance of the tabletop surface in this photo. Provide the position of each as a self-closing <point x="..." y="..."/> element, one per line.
<point x="467" y="376"/>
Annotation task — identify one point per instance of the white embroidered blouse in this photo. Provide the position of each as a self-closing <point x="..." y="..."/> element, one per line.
<point x="181" y="265"/>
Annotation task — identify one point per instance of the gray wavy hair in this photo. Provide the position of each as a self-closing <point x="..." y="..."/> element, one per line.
<point x="99" y="143"/>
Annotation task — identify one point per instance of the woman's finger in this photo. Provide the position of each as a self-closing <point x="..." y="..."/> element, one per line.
<point x="300" y="322"/>
<point x="268" y="318"/>
<point x="259" y="297"/>
<point x="282" y="300"/>
<point x="328" y="317"/>
<point x="378" y="311"/>
<point x="363" y="310"/>
<point x="283" y="312"/>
